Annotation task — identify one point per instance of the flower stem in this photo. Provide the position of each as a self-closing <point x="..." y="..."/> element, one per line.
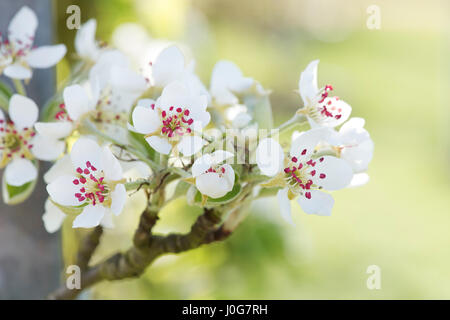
<point x="133" y="185"/>
<point x="19" y="87"/>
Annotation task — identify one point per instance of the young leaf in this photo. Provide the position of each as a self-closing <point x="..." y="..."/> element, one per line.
<point x="13" y="195"/>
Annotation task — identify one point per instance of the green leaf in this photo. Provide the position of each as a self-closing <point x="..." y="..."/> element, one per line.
<point x="13" y="195"/>
<point x="138" y="141"/>
<point x="69" y="210"/>
<point x="230" y="196"/>
<point x="5" y="95"/>
<point x="259" y="108"/>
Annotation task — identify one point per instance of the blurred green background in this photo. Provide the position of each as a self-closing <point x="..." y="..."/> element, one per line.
<point x="396" y="77"/>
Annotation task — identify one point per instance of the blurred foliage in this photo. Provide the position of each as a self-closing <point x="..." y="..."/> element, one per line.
<point x="395" y="77"/>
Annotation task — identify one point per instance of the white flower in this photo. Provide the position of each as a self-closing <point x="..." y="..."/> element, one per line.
<point x="173" y="121"/>
<point x="17" y="54"/>
<point x="213" y="178"/>
<point x="319" y="108"/>
<point x="354" y="144"/>
<point x="302" y="174"/>
<point x="170" y="66"/>
<point x="19" y="144"/>
<point x="226" y="81"/>
<point x="85" y="44"/>
<point x="93" y="182"/>
<point x="107" y="98"/>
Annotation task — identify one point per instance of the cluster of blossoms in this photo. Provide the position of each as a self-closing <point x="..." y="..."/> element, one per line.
<point x="115" y="115"/>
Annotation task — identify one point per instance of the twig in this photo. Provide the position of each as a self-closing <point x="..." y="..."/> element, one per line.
<point x="88" y="246"/>
<point x="135" y="260"/>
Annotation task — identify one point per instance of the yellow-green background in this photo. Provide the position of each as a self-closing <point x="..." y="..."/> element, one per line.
<point x="397" y="78"/>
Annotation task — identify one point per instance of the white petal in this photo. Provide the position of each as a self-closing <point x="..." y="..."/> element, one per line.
<point x="285" y="205"/>
<point x="321" y="203"/>
<point x="118" y="199"/>
<point x="228" y="175"/>
<point x="168" y="66"/>
<point x="16" y="71"/>
<point x="161" y="145"/>
<point x="201" y="165"/>
<point x="62" y="190"/>
<point x="269" y="157"/>
<point x="55" y="130"/>
<point x="84" y="150"/>
<point x="212" y="185"/>
<point x="47" y="149"/>
<point x="307" y="84"/>
<point x="123" y="78"/>
<point x="107" y="220"/>
<point x="190" y="145"/>
<point x="359" y="156"/>
<point x="46" y="56"/>
<point x="345" y="111"/>
<point x="111" y="166"/>
<point x="338" y="173"/>
<point x="100" y="73"/>
<point x="76" y="101"/>
<point x="353" y="123"/>
<point x="359" y="179"/>
<point x="53" y="217"/>
<point x="241" y="120"/>
<point x="23" y="111"/>
<point x="85" y="43"/>
<point x="90" y="217"/>
<point x="303" y="146"/>
<point x="147" y="103"/>
<point x="201" y="118"/>
<point x="20" y="171"/>
<point x="61" y="167"/>
<point x="224" y="98"/>
<point x="220" y="156"/>
<point x="174" y="94"/>
<point x="227" y="78"/>
<point x="22" y="27"/>
<point x="146" y="120"/>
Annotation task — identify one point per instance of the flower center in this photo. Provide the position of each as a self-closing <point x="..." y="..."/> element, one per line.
<point x="14" y="143"/>
<point x="217" y="169"/>
<point x="325" y="106"/>
<point x="13" y="51"/>
<point x="62" y="114"/>
<point x="93" y="188"/>
<point x="299" y="175"/>
<point x="107" y="110"/>
<point x="176" y="122"/>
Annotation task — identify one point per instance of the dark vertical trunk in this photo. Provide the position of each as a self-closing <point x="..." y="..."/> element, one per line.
<point x="29" y="256"/>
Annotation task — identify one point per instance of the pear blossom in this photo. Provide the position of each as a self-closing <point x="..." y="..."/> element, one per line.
<point x="93" y="182"/>
<point x="301" y="175"/>
<point x="106" y="99"/>
<point x="173" y="121"/>
<point x="19" y="143"/>
<point x="54" y="217"/>
<point x="352" y="143"/>
<point x="227" y="80"/>
<point x="319" y="108"/>
<point x="17" y="54"/>
<point x="170" y="65"/>
<point x="212" y="177"/>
